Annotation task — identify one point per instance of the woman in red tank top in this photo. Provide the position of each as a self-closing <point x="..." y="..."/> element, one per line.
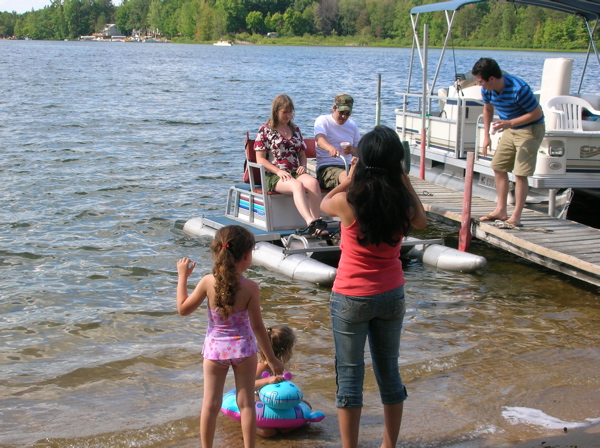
<point x="377" y="206"/>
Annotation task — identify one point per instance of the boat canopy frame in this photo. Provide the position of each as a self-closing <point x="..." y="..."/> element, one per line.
<point x="589" y="10"/>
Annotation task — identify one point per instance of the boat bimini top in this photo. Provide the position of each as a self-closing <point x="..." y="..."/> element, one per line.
<point x="589" y="10"/>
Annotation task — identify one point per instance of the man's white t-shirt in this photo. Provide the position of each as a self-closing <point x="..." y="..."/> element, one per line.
<point x="335" y="134"/>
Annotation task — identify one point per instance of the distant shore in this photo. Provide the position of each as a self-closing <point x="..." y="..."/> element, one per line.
<point x="316" y="42"/>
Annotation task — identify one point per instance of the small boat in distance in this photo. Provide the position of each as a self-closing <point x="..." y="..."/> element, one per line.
<point x="223" y="43"/>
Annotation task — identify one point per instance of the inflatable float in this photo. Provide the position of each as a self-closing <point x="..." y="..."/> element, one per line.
<point x="280" y="406"/>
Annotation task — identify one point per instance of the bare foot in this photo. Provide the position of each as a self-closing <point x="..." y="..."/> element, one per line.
<point x="266" y="432"/>
<point x="492" y="217"/>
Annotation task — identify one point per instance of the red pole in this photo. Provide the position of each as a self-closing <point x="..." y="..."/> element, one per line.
<point x="464" y="236"/>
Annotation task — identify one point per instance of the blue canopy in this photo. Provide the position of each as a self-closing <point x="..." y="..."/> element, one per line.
<point x="590" y="9"/>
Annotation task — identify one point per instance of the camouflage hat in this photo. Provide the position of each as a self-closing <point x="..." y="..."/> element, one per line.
<point x="344" y="103"/>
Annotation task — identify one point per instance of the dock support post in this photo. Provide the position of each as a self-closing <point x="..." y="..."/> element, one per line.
<point x="424" y="105"/>
<point x="552" y="201"/>
<point x="464" y="236"/>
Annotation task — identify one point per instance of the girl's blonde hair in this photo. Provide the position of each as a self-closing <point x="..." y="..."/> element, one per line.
<point x="281" y="102"/>
<point x="228" y="248"/>
<point x="282" y="340"/>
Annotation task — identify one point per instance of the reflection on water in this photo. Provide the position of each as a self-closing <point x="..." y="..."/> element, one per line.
<point x="95" y="193"/>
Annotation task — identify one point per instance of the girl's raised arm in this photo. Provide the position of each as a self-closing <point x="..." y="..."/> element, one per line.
<point x="258" y="327"/>
<point x="188" y="304"/>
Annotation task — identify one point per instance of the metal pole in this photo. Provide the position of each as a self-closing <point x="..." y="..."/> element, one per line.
<point x="378" y="106"/>
<point x="424" y="101"/>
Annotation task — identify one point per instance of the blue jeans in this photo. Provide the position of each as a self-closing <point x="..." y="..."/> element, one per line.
<point x="353" y="319"/>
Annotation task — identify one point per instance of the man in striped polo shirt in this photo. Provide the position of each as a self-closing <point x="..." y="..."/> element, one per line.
<point x="522" y="126"/>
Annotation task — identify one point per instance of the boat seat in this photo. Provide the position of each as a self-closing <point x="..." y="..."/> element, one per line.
<point x="570" y="111"/>
<point x="252" y="204"/>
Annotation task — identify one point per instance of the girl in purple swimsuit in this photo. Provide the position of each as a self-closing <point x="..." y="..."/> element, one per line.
<point x="234" y="326"/>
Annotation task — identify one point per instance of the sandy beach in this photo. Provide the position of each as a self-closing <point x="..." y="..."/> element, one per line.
<point x="325" y="434"/>
<point x="577" y="438"/>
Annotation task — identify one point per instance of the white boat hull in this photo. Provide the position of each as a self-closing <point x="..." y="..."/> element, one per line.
<point x="296" y="266"/>
<point x="304" y="268"/>
<point x="447" y="258"/>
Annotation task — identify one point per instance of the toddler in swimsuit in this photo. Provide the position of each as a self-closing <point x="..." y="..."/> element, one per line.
<point x="235" y="326"/>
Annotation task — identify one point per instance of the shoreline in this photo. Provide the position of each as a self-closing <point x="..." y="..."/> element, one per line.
<point x="304" y="43"/>
<point x="326" y="434"/>
<point x="588" y="437"/>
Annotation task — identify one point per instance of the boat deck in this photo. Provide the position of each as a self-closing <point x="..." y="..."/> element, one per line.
<point x="562" y="245"/>
<point x="259" y="234"/>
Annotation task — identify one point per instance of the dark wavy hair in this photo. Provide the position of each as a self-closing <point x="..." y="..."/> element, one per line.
<point x="377" y="193"/>
<point x="230" y="245"/>
<point x="486" y="67"/>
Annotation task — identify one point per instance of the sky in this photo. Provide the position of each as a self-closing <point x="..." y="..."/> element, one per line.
<point x="21" y="6"/>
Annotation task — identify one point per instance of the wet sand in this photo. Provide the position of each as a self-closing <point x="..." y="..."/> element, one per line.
<point x="423" y="427"/>
<point x="578" y="438"/>
<point x="326" y="434"/>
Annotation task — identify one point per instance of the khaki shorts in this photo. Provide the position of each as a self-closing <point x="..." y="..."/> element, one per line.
<point x="517" y="150"/>
<point x="329" y="176"/>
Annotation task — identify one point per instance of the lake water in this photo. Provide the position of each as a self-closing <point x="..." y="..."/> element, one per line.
<point x="108" y="148"/>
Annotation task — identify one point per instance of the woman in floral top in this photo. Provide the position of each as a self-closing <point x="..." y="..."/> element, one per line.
<point x="281" y="150"/>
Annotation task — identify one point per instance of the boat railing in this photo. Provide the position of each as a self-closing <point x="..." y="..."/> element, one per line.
<point x="453" y="122"/>
<point x="310" y="248"/>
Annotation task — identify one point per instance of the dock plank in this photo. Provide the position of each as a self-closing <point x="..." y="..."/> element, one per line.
<point x="562" y="245"/>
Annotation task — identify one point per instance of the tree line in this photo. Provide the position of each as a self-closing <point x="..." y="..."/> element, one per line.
<point x="360" y="22"/>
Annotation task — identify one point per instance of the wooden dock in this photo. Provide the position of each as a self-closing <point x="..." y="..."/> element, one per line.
<point x="564" y="246"/>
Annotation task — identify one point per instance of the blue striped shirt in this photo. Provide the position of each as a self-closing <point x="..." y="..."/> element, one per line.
<point x="515" y="100"/>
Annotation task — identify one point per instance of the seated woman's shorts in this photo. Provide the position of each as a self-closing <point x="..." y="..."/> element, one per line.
<point x="272" y="180"/>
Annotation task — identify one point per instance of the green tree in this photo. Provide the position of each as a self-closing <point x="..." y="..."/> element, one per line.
<point x="255" y="22"/>
<point x="187" y="19"/>
<point x="268" y="6"/>
<point x="509" y="23"/>
<point x="72" y="17"/>
<point x="235" y="14"/>
<point x="381" y="17"/>
<point x="122" y="19"/>
<point x="7" y="23"/>
<point x="326" y="17"/>
<point x="138" y="15"/>
<point x="154" y="18"/>
<point x="350" y="11"/>
<point x="294" y="23"/>
<point x="465" y="23"/>
<point x="275" y="22"/>
<point x="169" y="18"/>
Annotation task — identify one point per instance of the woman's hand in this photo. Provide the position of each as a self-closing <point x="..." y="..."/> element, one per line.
<point x="301" y="170"/>
<point x="284" y="175"/>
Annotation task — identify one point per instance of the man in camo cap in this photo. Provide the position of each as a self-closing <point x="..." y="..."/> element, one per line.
<point x="331" y="131"/>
